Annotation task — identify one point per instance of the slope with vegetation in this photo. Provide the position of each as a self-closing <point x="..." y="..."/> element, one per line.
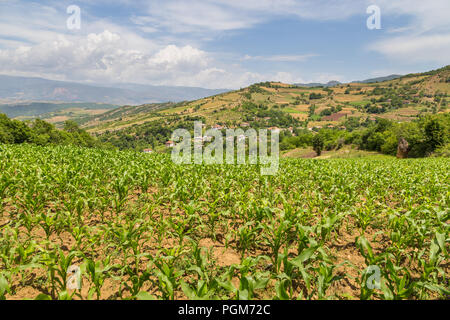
<point x="343" y="114"/>
<point x="40" y="132"/>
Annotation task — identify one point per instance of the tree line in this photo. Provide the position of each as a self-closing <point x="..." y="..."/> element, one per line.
<point x="40" y="132"/>
<point x="426" y="136"/>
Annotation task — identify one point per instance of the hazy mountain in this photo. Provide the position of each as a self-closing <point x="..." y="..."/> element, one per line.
<point x="335" y="83"/>
<point x="311" y="85"/>
<point x="13" y="89"/>
<point x="380" y="79"/>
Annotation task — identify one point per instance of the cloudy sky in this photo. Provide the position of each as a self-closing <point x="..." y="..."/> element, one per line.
<point x="221" y="43"/>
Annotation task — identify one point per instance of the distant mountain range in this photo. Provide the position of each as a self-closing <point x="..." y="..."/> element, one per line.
<point x="317" y="84"/>
<point x="336" y="83"/>
<point x="16" y="89"/>
<point x="25" y="89"/>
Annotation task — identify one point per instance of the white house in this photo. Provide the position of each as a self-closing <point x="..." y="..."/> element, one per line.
<point x="275" y="129"/>
<point x="198" y="140"/>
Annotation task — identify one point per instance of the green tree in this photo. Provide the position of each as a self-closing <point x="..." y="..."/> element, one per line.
<point x="318" y="144"/>
<point x="434" y="134"/>
<point x="71" y="126"/>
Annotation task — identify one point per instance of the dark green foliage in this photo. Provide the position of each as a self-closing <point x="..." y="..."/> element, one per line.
<point x="150" y="134"/>
<point x="330" y="111"/>
<point x="435" y="134"/>
<point x="318" y="144"/>
<point x="256" y="88"/>
<point x="13" y="131"/>
<point x="312" y="110"/>
<point x="370" y="108"/>
<point x="326" y="112"/>
<point x="43" y="133"/>
<point x="424" y="136"/>
<point x="315" y="96"/>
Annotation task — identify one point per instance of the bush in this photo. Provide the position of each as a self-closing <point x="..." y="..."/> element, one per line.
<point x="443" y="151"/>
<point x="315" y="96"/>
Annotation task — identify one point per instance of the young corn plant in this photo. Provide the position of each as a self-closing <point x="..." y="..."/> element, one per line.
<point x="97" y="272"/>
<point x="121" y="189"/>
<point x="204" y="288"/>
<point x="168" y="279"/>
<point x="4" y="287"/>
<point x="275" y="237"/>
<point x="248" y="284"/>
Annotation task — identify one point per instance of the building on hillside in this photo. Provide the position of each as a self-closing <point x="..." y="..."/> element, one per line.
<point x="147" y="151"/>
<point x="275" y="129"/>
<point x="170" y="144"/>
<point x="245" y="124"/>
<point x="198" y="140"/>
<point x="218" y="127"/>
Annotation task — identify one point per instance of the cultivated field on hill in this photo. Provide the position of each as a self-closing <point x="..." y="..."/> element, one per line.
<point x="136" y="226"/>
<point x="402" y="99"/>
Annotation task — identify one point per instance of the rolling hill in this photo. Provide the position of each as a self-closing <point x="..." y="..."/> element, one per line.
<point x="381" y="79"/>
<point x="400" y="99"/>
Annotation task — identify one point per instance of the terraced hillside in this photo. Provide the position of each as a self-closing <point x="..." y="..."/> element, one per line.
<point x="279" y="105"/>
<point x="400" y="99"/>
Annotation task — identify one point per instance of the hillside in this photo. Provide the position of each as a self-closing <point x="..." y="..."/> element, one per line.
<point x="54" y="112"/>
<point x="274" y="104"/>
<point x="381" y="79"/>
<point x="124" y="116"/>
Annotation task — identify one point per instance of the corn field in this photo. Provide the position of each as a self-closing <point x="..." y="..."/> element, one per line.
<point x="128" y="225"/>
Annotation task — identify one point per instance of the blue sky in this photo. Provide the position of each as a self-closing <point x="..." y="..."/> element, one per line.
<point x="222" y="43"/>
